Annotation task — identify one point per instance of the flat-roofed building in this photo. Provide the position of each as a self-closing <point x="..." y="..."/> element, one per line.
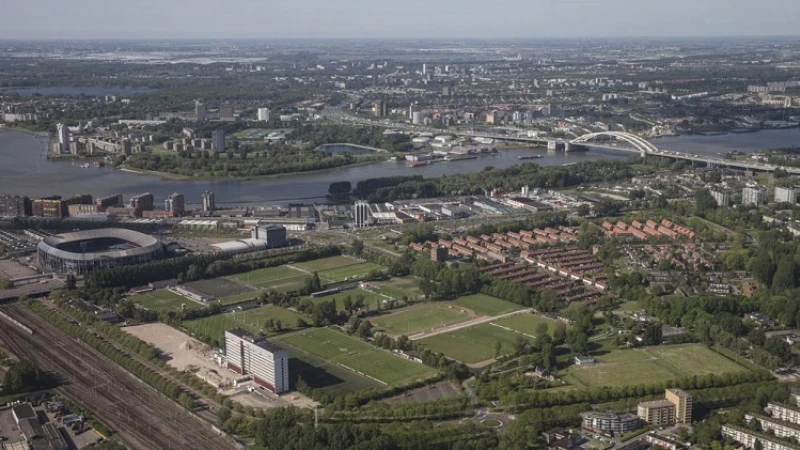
<point x="609" y="421"/>
<point x="748" y="438"/>
<point x="683" y="404"/>
<point x="266" y="362"/>
<point x="784" y="411"/>
<point x="657" y="412"/>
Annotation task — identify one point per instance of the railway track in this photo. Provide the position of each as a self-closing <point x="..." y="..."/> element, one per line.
<point x="142" y="417"/>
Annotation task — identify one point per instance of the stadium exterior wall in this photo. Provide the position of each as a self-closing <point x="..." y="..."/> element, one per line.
<point x="61" y="261"/>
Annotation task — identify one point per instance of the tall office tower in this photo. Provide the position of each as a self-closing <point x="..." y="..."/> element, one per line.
<point x="424" y="69"/>
<point x="208" y="202"/>
<point x="218" y="141"/>
<point x="63" y="138"/>
<point x="263" y="114"/>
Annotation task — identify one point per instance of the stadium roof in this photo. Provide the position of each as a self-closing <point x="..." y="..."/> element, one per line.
<point x="146" y="244"/>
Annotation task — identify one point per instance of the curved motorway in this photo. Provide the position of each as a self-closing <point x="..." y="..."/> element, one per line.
<point x="141" y="416"/>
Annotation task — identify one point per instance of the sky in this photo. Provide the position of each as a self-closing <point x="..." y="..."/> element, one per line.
<point x="294" y="19"/>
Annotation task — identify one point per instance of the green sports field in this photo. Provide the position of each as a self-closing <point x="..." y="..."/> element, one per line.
<point x="527" y="323"/>
<point x="164" y="301"/>
<point x="651" y="365"/>
<point x="332" y="262"/>
<point x="485" y="305"/>
<point x="398" y="287"/>
<point x="213" y="327"/>
<point x="251" y="320"/>
<point x="337" y="347"/>
<point x="279" y="279"/>
<point x="370" y="299"/>
<point x="262" y="278"/>
<point x="472" y="345"/>
<point x="351" y="272"/>
<point x="419" y="318"/>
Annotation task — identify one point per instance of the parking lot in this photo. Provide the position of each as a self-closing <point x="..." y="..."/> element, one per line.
<point x="11" y="268"/>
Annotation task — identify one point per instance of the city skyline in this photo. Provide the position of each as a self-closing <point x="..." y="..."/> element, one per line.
<point x="316" y="19"/>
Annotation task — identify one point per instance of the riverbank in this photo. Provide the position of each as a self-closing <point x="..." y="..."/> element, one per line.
<point x="346" y="144"/>
<point x="38" y="134"/>
<point x="175" y="177"/>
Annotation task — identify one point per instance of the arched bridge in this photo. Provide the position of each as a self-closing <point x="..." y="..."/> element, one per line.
<point x="638" y="143"/>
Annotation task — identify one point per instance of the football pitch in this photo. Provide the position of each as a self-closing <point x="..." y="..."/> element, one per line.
<point x="485" y="305"/>
<point x="474" y="344"/>
<point x="251" y="320"/>
<point x="419" y="318"/>
<point x="527" y="323"/>
<point x="164" y="301"/>
<point x="651" y="365"/>
<point x="337" y="347"/>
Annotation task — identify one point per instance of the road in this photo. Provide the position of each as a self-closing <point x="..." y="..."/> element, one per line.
<point x="466" y="324"/>
<point x="142" y="417"/>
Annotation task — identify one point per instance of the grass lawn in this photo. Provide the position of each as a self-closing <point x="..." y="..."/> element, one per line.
<point x="164" y="301"/>
<point x="326" y="376"/>
<point x="527" y="323"/>
<point x="279" y="279"/>
<point x="652" y="365"/>
<point x="218" y="287"/>
<point x="360" y="356"/>
<point x="485" y="305"/>
<point x="238" y="298"/>
<point x="332" y="262"/>
<point x="630" y="306"/>
<point x="398" y="287"/>
<point x="264" y="277"/>
<point x="473" y="344"/>
<point x="214" y="327"/>
<point x="251" y="320"/>
<point x="256" y="317"/>
<point x="370" y="299"/>
<point x="348" y="272"/>
<point x="418" y="318"/>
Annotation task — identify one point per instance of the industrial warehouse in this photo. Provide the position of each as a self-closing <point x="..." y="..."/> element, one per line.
<point x="81" y="252"/>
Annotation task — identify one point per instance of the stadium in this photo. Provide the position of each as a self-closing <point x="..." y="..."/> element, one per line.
<point x="81" y="252"/>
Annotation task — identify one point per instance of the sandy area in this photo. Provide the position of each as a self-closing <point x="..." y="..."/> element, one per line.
<point x="184" y="352"/>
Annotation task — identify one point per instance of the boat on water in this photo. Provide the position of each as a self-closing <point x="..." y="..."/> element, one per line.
<point x="530" y="156"/>
<point x="459" y="157"/>
<point x="418" y="163"/>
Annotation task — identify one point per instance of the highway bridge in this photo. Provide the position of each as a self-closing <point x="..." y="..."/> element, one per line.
<point x="638" y="145"/>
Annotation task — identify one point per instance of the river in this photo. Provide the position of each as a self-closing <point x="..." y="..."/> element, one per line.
<point x="24" y="170"/>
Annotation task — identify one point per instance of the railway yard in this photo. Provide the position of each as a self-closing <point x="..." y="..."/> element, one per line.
<point x="142" y="417"/>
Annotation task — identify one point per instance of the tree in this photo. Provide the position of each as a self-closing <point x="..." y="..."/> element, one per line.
<point x="583" y="210"/>
<point x="784" y="277"/>
<point x="186" y="400"/>
<point x="358" y="247"/>
<point x="704" y="202"/>
<point x="578" y="340"/>
<point x="71" y="283"/>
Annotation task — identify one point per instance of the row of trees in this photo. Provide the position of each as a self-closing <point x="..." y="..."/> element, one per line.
<point x="478" y="183"/>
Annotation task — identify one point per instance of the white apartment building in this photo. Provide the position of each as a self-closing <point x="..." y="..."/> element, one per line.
<point x="266" y="362"/>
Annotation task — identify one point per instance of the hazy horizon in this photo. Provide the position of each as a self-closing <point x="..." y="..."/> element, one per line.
<point x="412" y="19"/>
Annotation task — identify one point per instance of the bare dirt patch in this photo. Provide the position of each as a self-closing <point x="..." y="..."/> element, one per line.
<point x="183" y="351"/>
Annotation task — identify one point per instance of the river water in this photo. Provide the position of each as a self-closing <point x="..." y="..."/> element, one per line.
<point x="24" y="170"/>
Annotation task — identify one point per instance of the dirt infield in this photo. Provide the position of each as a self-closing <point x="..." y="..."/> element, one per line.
<point x="182" y="351"/>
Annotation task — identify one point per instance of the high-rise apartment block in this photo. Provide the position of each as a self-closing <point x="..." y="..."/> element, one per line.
<point x="143" y="202"/>
<point x="218" y="141"/>
<point x="683" y="404"/>
<point x="63" y="137"/>
<point x="266" y="362"/>
<point x="175" y="204"/>
<point x="361" y="214"/>
<point x="209" y="205"/>
<point x="263" y="114"/>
